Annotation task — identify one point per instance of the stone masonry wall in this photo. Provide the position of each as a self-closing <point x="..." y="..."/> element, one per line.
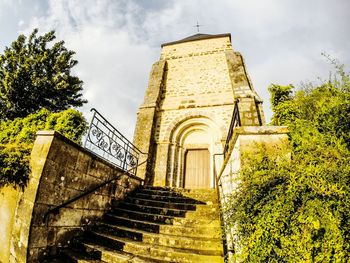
<point x="61" y="170"/>
<point x="244" y="141"/>
<point x="146" y="118"/>
<point x="201" y="78"/>
<point x="250" y="104"/>
<point x="197" y="83"/>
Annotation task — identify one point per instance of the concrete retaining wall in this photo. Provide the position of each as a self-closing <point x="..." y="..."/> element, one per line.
<point x="61" y="170"/>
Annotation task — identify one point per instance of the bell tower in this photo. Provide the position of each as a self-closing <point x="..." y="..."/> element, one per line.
<point x="187" y="110"/>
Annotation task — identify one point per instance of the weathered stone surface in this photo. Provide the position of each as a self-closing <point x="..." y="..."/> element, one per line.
<point x="245" y="141"/>
<point x="8" y="203"/>
<point x="61" y="170"/>
<point x="150" y="234"/>
<point x="199" y="82"/>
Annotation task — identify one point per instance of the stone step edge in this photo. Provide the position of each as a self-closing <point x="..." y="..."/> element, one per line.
<point x="164" y="235"/>
<point x="126" y="241"/>
<point x="186" y="200"/>
<point x="187" y="213"/>
<point x="134" y="220"/>
<point x="203" y="222"/>
<point x="199" y="222"/>
<point x="177" y="189"/>
<point x="133" y="257"/>
<point x="175" y="192"/>
<point x="199" y="214"/>
<point x="157" y="207"/>
<point x="142" y="213"/>
<point x="158" y="201"/>
<point x="76" y="256"/>
<point x="118" y="253"/>
<point x="199" y="207"/>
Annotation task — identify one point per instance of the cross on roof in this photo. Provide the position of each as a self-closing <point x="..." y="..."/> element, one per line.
<point x="197" y="26"/>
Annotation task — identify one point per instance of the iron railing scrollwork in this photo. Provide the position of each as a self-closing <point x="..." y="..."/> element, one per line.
<point x="235" y="122"/>
<point x="108" y="143"/>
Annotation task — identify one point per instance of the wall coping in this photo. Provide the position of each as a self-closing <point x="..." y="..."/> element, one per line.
<point x="57" y="135"/>
<point x="250" y="130"/>
<point x="260" y="130"/>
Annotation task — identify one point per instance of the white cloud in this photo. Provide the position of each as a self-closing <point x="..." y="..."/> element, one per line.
<point x="111" y="63"/>
<point x="117" y="41"/>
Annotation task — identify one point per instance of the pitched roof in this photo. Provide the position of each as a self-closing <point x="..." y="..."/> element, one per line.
<point x="196" y="37"/>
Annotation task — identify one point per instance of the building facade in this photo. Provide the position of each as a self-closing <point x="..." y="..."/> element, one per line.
<point x="188" y="107"/>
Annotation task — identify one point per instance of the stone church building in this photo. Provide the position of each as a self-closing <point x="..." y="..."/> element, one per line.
<point x="157" y="199"/>
<point x="188" y="108"/>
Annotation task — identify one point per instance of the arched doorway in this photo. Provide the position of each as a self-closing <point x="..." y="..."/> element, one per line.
<point x="193" y="143"/>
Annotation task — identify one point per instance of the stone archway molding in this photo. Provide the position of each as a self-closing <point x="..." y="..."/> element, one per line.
<point x="180" y="130"/>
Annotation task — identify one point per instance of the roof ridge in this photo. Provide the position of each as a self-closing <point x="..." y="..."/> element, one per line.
<point x="196" y="37"/>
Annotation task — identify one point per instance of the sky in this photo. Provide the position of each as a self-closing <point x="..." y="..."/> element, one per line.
<point x="117" y="41"/>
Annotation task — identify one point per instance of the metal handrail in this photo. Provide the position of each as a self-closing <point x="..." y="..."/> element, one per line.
<point x="56" y="209"/>
<point x="218" y="183"/>
<point x="104" y="140"/>
<point x="235" y="122"/>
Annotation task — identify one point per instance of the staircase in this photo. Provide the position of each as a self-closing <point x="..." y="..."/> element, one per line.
<point x="153" y="224"/>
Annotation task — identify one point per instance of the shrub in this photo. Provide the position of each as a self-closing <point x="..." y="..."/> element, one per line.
<point x="17" y="137"/>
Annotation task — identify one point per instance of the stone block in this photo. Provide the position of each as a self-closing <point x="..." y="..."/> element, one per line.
<point x="83" y="161"/>
<point x="99" y="169"/>
<point x="65" y="235"/>
<point x="63" y="153"/>
<point x="37" y="253"/>
<point x="49" y="194"/>
<point x="67" y="217"/>
<point x="38" y="236"/>
<point x="38" y="214"/>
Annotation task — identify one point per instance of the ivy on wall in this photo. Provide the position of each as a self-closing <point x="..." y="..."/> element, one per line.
<point x="297" y="210"/>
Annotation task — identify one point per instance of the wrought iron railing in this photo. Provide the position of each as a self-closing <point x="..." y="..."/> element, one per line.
<point x="235" y="122"/>
<point x="108" y="143"/>
<point x="228" y="237"/>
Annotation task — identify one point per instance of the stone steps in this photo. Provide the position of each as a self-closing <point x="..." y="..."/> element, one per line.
<point x="211" y="228"/>
<point x="201" y="195"/>
<point x="164" y="253"/>
<point x="157" y="218"/>
<point x="169" y="199"/>
<point x="133" y="223"/>
<point x="175" y="241"/>
<point x="154" y="224"/>
<point x="158" y="203"/>
<point x="108" y="255"/>
<point x="153" y="209"/>
<point x="73" y="256"/>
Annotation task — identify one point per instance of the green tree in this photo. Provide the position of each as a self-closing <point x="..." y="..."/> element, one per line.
<point x="17" y="137"/>
<point x="36" y="73"/>
<point x="297" y="210"/>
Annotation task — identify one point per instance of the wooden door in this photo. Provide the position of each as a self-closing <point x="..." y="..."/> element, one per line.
<point x="197" y="174"/>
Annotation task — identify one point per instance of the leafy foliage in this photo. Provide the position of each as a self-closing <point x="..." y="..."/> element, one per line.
<point x="17" y="137"/>
<point x="297" y="210"/>
<point x="36" y="73"/>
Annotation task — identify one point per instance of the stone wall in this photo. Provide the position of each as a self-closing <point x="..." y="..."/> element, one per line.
<point x="246" y="141"/>
<point x="146" y="118"/>
<point x="8" y="202"/>
<point x="61" y="170"/>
